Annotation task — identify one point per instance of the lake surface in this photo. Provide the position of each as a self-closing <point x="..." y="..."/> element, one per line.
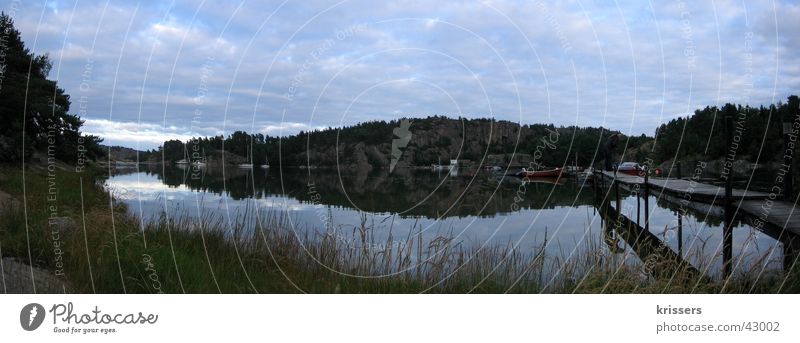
<point x="477" y="209"/>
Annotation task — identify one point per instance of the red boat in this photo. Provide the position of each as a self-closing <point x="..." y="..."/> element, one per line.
<point x="630" y="168"/>
<point x="547" y="180"/>
<point x="552" y="173"/>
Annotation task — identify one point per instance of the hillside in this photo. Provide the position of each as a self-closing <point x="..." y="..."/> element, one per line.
<point x="431" y="140"/>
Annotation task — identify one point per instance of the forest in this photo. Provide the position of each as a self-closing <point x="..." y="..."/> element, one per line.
<point x="436" y="139"/>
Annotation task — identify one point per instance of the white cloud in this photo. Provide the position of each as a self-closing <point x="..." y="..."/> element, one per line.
<point x="587" y="63"/>
<point x="143" y="135"/>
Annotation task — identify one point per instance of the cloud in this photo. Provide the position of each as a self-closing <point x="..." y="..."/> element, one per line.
<point x="208" y="68"/>
<point x="143" y="135"/>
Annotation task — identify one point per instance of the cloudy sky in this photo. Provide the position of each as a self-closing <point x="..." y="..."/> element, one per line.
<point x="140" y="73"/>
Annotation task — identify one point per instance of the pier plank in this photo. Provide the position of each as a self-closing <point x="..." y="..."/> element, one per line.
<point x="782" y="214"/>
<point x="701" y="191"/>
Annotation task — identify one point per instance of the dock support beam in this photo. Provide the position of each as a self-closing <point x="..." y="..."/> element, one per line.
<point x="638" y="207"/>
<point x="616" y="193"/>
<point x="788" y="156"/>
<point x="727" y="231"/>
<point x="647" y="201"/>
<point x="680" y="233"/>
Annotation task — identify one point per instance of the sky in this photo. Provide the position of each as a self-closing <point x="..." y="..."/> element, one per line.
<point x="140" y="73"/>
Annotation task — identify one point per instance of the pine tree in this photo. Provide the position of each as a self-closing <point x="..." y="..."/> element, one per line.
<point x="33" y="109"/>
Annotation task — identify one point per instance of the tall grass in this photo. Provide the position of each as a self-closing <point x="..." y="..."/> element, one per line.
<point x="109" y="250"/>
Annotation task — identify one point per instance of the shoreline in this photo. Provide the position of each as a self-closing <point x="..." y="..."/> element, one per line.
<point x="184" y="255"/>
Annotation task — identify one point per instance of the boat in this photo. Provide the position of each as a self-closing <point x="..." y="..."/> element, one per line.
<point x="559" y="181"/>
<point x="550" y="173"/>
<point x="183" y="161"/>
<point x="265" y="166"/>
<point x="585" y="176"/>
<point x="246" y="166"/>
<point x="453" y="165"/>
<point x="630" y="168"/>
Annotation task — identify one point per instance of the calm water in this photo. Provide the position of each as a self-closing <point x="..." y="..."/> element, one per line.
<point x="478" y="209"/>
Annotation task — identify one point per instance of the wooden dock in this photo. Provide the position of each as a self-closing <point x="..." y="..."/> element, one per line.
<point x="698" y="191"/>
<point x="779" y="214"/>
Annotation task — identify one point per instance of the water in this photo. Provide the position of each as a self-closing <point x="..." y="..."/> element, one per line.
<point x="478" y="209"/>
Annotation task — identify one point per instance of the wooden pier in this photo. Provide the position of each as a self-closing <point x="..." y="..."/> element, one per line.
<point x="780" y="214"/>
<point x="698" y="191"/>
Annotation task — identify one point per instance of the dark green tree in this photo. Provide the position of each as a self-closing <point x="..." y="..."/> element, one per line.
<point x="33" y="109"/>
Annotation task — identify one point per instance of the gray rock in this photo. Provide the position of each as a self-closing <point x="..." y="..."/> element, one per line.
<point x="20" y="278"/>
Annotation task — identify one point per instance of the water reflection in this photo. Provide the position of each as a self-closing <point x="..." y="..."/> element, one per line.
<point x="477" y="208"/>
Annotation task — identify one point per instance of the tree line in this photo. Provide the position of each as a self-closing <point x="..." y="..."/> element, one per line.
<point x="437" y="138"/>
<point x="757" y="131"/>
<point x="34" y="111"/>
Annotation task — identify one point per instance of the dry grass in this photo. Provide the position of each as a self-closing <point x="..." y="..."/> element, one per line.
<point x="110" y="250"/>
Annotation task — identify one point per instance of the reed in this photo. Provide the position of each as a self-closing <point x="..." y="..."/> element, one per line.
<point x="111" y="250"/>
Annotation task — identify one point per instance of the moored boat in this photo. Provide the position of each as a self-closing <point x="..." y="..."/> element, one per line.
<point x="555" y="172"/>
<point x="630" y="168"/>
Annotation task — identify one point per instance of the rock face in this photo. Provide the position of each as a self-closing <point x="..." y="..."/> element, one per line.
<point x="20" y="278"/>
<point x="119" y="153"/>
<point x="435" y="140"/>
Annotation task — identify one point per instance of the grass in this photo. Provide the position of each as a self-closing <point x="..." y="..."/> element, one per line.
<point x="109" y="250"/>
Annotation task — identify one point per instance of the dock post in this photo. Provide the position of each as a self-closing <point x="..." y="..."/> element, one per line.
<point x="791" y="247"/>
<point x="646" y="202"/>
<point x="678" y="169"/>
<point x="638" y="206"/>
<point x="616" y="191"/>
<point x="727" y="231"/>
<point x="788" y="162"/>
<point x="680" y="234"/>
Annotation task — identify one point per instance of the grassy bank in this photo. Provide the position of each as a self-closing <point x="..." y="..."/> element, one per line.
<point x="103" y="248"/>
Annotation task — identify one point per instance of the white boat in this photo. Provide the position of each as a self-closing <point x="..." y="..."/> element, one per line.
<point x="199" y="163"/>
<point x="265" y="166"/>
<point x="246" y="166"/>
<point x="184" y="161"/>
<point x="453" y="165"/>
